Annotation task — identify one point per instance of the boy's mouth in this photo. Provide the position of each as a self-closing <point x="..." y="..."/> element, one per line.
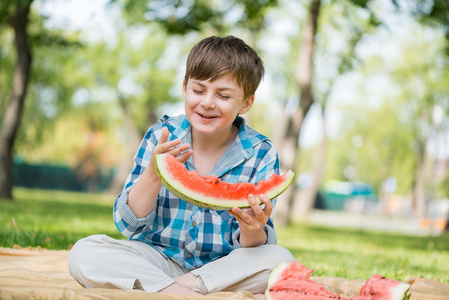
<point x="206" y="117"/>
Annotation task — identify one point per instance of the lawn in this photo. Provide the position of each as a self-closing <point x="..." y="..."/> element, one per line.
<point x="56" y="220"/>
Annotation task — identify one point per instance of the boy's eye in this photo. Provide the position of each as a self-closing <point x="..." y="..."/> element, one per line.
<point x="223" y="96"/>
<point x="197" y="91"/>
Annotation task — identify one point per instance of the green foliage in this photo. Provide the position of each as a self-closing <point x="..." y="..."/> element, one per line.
<point x="7" y="8"/>
<point x="375" y="151"/>
<point x="75" y="89"/>
<point x="182" y="17"/>
<point x="443" y="186"/>
<point x="358" y="254"/>
<point x="84" y="134"/>
<point x="7" y="62"/>
<point x="139" y="72"/>
<point x="431" y="13"/>
<point x="393" y="122"/>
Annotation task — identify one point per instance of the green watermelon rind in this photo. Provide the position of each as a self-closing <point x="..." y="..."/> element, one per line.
<point x="400" y="292"/>
<point x="177" y="189"/>
<point x="275" y="275"/>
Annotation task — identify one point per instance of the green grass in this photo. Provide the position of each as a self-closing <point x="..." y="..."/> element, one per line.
<point x="359" y="254"/>
<point x="56" y="220"/>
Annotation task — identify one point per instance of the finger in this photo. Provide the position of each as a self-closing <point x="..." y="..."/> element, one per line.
<point x="258" y="211"/>
<point x="166" y="146"/>
<point x="236" y="213"/>
<point x="268" y="205"/>
<point x="183" y="157"/>
<point x="163" y="145"/>
<point x="164" y="135"/>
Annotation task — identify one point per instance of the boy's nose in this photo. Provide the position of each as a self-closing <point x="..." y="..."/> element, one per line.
<point x="208" y="101"/>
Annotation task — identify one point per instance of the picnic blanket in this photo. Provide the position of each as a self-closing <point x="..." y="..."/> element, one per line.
<point x="43" y="274"/>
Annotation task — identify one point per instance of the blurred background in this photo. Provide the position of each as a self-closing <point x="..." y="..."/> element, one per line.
<point x="355" y="97"/>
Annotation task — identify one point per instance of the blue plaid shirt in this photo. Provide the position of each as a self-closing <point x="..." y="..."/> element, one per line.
<point x="188" y="234"/>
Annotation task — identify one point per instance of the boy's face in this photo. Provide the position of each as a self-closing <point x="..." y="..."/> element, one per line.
<point x="212" y="106"/>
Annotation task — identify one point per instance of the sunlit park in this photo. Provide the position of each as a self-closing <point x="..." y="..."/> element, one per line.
<point x="355" y="98"/>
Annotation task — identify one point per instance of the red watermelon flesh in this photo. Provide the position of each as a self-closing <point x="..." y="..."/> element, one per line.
<point x="300" y="289"/>
<point x="381" y="288"/>
<point x="291" y="281"/>
<point x="211" y="192"/>
<point x="215" y="185"/>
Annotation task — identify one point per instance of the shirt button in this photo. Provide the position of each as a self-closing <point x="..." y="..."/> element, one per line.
<point x="189" y="255"/>
<point x="194" y="223"/>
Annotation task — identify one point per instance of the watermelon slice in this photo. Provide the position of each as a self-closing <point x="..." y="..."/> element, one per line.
<point x="289" y="281"/>
<point x="211" y="192"/>
<point x="381" y="288"/>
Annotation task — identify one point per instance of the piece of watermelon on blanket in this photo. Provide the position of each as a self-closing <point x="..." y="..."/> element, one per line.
<point x="291" y="281"/>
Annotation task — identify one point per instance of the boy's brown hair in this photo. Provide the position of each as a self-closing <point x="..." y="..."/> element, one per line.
<point x="215" y="56"/>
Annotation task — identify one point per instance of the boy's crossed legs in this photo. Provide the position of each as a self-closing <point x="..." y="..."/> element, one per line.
<point x="103" y="262"/>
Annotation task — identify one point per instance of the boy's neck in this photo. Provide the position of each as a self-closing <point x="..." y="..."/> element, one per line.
<point x="208" y="149"/>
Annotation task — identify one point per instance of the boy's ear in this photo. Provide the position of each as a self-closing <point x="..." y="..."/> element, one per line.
<point x="184" y="89"/>
<point x="247" y="104"/>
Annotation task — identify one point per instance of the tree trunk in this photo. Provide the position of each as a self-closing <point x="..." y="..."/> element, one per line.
<point x="420" y="184"/>
<point x="419" y="204"/>
<point x="11" y="121"/>
<point x="308" y="199"/>
<point x="291" y="124"/>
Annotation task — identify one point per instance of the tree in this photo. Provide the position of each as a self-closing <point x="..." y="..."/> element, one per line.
<point x="434" y="14"/>
<point x="425" y="86"/>
<point x="207" y="16"/>
<point x="391" y="139"/>
<point x="141" y="78"/>
<point x="290" y="126"/>
<point x="340" y="20"/>
<point x="16" y="14"/>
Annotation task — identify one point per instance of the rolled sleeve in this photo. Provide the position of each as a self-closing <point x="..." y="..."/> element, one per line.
<point x="271" y="237"/>
<point x="125" y="220"/>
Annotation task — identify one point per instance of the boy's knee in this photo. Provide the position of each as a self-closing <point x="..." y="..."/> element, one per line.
<point x="80" y="249"/>
<point x="81" y="255"/>
<point x="280" y="254"/>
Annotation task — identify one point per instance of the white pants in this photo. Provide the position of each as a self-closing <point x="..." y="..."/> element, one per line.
<point x="103" y="262"/>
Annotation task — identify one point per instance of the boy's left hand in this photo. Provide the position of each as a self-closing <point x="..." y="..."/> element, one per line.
<point x="253" y="219"/>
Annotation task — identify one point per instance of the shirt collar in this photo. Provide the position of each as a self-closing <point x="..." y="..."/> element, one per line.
<point x="240" y="150"/>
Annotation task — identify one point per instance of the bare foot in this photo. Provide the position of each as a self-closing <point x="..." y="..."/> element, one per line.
<point x="188" y="280"/>
<point x="184" y="285"/>
<point x="176" y="288"/>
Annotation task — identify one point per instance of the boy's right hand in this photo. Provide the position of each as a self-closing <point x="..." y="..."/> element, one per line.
<point x="142" y="196"/>
<point x="181" y="152"/>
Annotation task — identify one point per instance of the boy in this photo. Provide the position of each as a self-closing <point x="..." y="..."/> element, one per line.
<point x="176" y="247"/>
